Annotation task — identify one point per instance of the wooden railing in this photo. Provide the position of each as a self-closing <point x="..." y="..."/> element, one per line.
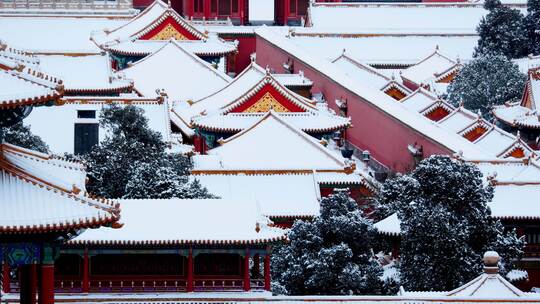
<point x="155" y="285"/>
<point x="66" y="5"/>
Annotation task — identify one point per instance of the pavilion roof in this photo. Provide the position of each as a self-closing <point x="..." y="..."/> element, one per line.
<point x="187" y="221"/>
<point x="40" y="193"/>
<point x="24" y="86"/>
<point x="166" y="69"/>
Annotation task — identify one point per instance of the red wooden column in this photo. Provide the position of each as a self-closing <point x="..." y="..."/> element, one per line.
<point x="286" y="11"/>
<point x="256" y="266"/>
<point x="46" y="290"/>
<point x="6" y="278"/>
<point x="27" y="283"/>
<point x="247" y="279"/>
<point x="206" y="9"/>
<point x="267" y="277"/>
<point x="86" y="272"/>
<point x="190" y="278"/>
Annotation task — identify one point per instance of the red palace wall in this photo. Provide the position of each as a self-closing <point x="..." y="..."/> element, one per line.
<point x="384" y="136"/>
<point x="246" y="47"/>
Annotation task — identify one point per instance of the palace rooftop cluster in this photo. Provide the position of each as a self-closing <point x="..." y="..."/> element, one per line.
<point x="273" y="118"/>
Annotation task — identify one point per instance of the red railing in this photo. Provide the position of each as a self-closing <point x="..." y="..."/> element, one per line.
<point x="155" y="285"/>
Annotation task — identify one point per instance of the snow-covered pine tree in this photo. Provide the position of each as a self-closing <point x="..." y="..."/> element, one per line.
<point x="445" y="224"/>
<point x="486" y="81"/>
<point x="132" y="162"/>
<point x="21" y="136"/>
<point x="329" y="255"/>
<point x="532" y="22"/>
<point x="502" y="32"/>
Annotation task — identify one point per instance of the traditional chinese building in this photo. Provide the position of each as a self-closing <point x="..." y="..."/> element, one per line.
<point x="247" y="98"/>
<point x="154" y="27"/>
<point x="523" y="116"/>
<point x="42" y="197"/>
<point x="193" y="245"/>
<point x="244" y="166"/>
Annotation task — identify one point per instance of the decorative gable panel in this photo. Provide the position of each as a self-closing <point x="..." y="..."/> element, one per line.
<point x="169" y="28"/>
<point x="268" y="98"/>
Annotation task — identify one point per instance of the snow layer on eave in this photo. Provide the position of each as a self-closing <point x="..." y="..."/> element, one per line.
<point x="14" y="88"/>
<point x="54" y="34"/>
<point x="213" y="45"/>
<point x="26" y="204"/>
<point x="516" y="202"/>
<point x="183" y="75"/>
<point x="187" y="220"/>
<point x="517" y="114"/>
<point x="510" y="170"/>
<point x="60" y="173"/>
<point x="272" y="144"/>
<point x="82" y="72"/>
<point x="419" y="18"/>
<point x="277" y="194"/>
<point x="380" y="100"/>
<point x="56" y="125"/>
<point x="390" y="225"/>
<point x="306" y="121"/>
<point x="487" y="286"/>
<point x="382" y="49"/>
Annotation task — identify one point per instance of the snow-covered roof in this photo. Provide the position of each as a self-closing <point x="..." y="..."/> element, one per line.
<point x="55" y="34"/>
<point x="374" y="97"/>
<point x="271" y="144"/>
<point x="27" y="87"/>
<point x="417" y="17"/>
<point x="431" y="68"/>
<point x="181" y="74"/>
<point x="40" y="193"/>
<point x="278" y="195"/>
<point x="513" y="201"/>
<point x="361" y="72"/>
<point x="17" y="56"/>
<point x="293" y="80"/>
<point x="527" y="112"/>
<point x="247" y="91"/>
<point x="187" y="221"/>
<point x="213" y="46"/>
<point x="380" y="50"/>
<point x="517" y="115"/>
<point x="389" y="226"/>
<point x="56" y="125"/>
<point x="146" y="21"/>
<point x="90" y="74"/>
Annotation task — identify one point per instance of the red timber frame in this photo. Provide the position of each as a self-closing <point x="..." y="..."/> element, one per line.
<point x="236" y="10"/>
<point x="168" y="21"/>
<point x="290" y="11"/>
<point x="194" y="275"/>
<point x="283" y="101"/>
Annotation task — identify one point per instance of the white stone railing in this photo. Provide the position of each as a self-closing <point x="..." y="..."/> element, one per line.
<point x="66" y="4"/>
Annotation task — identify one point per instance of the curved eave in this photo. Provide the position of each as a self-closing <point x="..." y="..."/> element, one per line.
<point x="112" y="89"/>
<point x="59" y="227"/>
<point x="178" y="242"/>
<point x="29" y="101"/>
<point x="515" y="122"/>
<point x="211" y="128"/>
<point x="146" y="53"/>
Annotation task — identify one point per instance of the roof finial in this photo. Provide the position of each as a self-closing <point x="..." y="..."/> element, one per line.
<point x="343" y="52"/>
<point x="491" y="262"/>
<point x="169" y="3"/>
<point x="436" y="48"/>
<point x="267" y="70"/>
<point x="253" y="57"/>
<point x="518" y="135"/>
